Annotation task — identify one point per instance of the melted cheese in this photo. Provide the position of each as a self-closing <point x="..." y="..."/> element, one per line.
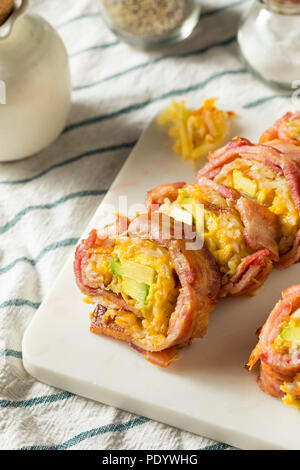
<point x="163" y="292"/>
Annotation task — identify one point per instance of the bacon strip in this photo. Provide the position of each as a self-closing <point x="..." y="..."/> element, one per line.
<point x="231" y="195"/>
<point x="160" y="193"/>
<point x="250" y="275"/>
<point x="292" y="256"/>
<point x="109" y="329"/>
<point x="223" y="155"/>
<point x="199" y="278"/>
<point x="156" y="197"/>
<point x="231" y="148"/>
<point x="276" y="368"/>
<point x="159" y="358"/>
<point x="261" y="226"/>
<point x="270" y="380"/>
<point x="287" y="149"/>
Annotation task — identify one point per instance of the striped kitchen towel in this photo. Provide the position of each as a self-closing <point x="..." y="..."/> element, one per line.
<point x="47" y="200"/>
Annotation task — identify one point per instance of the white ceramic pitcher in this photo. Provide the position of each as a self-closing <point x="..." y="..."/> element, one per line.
<point x="34" y="84"/>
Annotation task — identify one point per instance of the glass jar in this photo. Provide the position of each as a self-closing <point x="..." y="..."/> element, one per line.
<point x="150" y="23"/>
<point x="35" y="73"/>
<point x="269" y="41"/>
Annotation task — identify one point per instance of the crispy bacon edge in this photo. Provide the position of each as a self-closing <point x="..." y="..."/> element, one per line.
<point x="275" y="368"/>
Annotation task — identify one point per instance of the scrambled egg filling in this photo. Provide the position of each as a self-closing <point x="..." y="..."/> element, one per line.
<point x="292" y="392"/>
<point x="260" y="183"/>
<point x="158" y="298"/>
<point x="222" y="231"/>
<point x="196" y="133"/>
<point x="293" y="130"/>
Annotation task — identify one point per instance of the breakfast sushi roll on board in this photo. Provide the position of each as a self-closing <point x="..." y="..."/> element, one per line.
<point x="285" y="129"/>
<point x="228" y="222"/>
<point x="285" y="136"/>
<point x="268" y="176"/>
<point x="278" y="350"/>
<point x="150" y="289"/>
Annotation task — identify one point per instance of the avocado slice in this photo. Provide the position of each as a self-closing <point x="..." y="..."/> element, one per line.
<point x="243" y="184"/>
<point x="197" y="211"/>
<point x="189" y="205"/>
<point x="291" y="333"/>
<point x="136" y="290"/>
<point x="134" y="271"/>
<point x="187" y="201"/>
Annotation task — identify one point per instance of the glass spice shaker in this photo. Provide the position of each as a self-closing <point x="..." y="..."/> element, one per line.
<point x="269" y="41"/>
<point x="151" y="23"/>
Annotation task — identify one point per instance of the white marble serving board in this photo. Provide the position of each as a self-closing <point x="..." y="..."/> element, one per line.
<point x="208" y="391"/>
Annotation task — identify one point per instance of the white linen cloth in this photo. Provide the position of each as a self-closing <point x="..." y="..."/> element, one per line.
<point x="46" y="202"/>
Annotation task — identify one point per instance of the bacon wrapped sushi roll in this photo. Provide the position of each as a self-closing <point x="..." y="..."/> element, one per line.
<point x="229" y="223"/>
<point x="268" y="176"/>
<point x="285" y="129"/>
<point x="149" y="288"/>
<point x="278" y="349"/>
<point x="284" y="136"/>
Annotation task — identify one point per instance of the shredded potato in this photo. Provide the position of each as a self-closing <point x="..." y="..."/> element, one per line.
<point x="196" y="133"/>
